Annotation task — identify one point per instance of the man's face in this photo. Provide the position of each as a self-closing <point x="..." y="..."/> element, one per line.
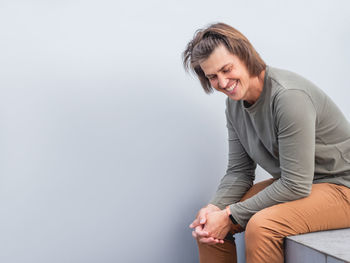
<point x="227" y="73"/>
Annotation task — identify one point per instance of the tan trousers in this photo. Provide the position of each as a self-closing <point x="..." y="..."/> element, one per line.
<point x="327" y="207"/>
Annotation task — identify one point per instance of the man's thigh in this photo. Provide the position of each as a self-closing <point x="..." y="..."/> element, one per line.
<point x="327" y="207"/>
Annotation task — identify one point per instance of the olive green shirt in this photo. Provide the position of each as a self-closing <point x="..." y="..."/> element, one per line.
<point x="295" y="132"/>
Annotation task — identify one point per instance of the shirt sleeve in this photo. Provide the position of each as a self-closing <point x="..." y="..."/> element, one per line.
<point x="295" y="121"/>
<point x="239" y="175"/>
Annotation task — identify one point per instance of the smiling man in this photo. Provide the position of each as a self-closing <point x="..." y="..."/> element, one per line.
<point x="228" y="74"/>
<point x="292" y="129"/>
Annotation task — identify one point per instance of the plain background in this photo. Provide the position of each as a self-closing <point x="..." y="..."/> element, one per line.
<point x="107" y="147"/>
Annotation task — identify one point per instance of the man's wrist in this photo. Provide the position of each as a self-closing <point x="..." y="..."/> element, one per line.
<point x="228" y="212"/>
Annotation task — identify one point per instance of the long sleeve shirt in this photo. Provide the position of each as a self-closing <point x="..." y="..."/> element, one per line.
<point x="295" y="132"/>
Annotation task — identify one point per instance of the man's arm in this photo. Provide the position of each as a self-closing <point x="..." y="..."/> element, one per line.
<point x="240" y="172"/>
<point x="295" y="118"/>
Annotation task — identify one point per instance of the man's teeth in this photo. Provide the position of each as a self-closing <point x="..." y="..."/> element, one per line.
<point x="232" y="87"/>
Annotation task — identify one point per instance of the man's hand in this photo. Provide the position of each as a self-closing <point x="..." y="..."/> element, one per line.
<point x="200" y="221"/>
<point x="201" y="216"/>
<point x="218" y="224"/>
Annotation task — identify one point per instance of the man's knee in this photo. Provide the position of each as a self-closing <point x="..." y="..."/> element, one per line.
<point x="264" y="238"/>
<point x="259" y="227"/>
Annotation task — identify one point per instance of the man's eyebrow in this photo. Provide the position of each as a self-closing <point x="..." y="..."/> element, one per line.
<point x="221" y="69"/>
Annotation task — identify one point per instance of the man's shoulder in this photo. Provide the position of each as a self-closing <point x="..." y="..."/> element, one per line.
<point x="281" y="80"/>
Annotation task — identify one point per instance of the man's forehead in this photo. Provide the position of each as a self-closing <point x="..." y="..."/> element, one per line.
<point x="213" y="68"/>
<point x="218" y="59"/>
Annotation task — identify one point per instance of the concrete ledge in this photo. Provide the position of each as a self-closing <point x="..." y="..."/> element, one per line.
<point x="331" y="246"/>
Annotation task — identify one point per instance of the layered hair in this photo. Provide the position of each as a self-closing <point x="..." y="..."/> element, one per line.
<point x="206" y="40"/>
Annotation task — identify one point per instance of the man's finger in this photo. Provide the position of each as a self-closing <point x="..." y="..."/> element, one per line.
<point x="211" y="241"/>
<point x="194" y="234"/>
<point x="195" y="223"/>
<point x="208" y="240"/>
<point x="199" y="231"/>
<point x="202" y="220"/>
<point x="220" y="241"/>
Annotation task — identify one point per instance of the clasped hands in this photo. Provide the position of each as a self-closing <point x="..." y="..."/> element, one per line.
<point x="211" y="225"/>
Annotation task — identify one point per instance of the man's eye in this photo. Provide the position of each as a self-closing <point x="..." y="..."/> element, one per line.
<point x="212" y="77"/>
<point x="226" y="70"/>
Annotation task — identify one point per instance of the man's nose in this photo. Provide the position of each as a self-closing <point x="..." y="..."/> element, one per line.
<point x="222" y="82"/>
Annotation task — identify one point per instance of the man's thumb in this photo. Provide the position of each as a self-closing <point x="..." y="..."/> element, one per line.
<point x="195" y="223"/>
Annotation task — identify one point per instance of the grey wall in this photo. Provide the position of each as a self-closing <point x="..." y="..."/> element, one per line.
<point x="107" y="147"/>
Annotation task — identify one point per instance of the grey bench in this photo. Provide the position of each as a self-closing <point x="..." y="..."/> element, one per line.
<point x="331" y="246"/>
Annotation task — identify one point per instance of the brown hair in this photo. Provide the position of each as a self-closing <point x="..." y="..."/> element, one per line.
<point x="206" y="40"/>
